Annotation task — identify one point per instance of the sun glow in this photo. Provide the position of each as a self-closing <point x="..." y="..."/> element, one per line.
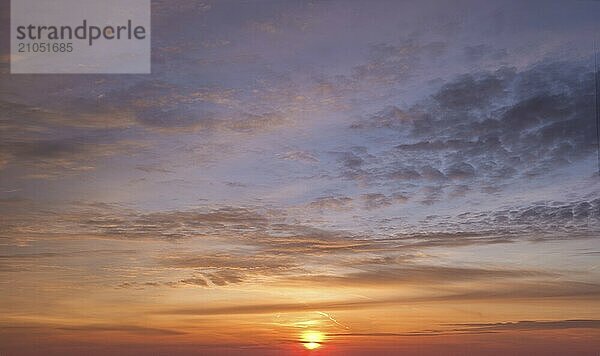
<point x="312" y="339"/>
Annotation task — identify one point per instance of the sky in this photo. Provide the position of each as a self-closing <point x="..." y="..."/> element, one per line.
<point x="310" y="178"/>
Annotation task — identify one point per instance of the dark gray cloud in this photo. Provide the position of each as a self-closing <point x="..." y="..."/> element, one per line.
<point x="485" y="128"/>
<point x="546" y="219"/>
<point x="470" y="92"/>
<point x="378" y="200"/>
<point x="35" y="146"/>
<point x="41" y="151"/>
<point x="68" y="125"/>
<point x="332" y="203"/>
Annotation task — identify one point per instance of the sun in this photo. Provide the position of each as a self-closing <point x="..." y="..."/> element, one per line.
<point x="311" y="345"/>
<point x="312" y="339"/>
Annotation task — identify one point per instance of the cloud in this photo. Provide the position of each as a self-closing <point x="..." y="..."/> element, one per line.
<point x="460" y="171"/>
<point x="489" y="128"/>
<point x="269" y="308"/>
<point x="228" y="263"/>
<point x="469" y="92"/>
<point x="270" y="230"/>
<point x="482" y="52"/>
<point x="51" y="143"/>
<point x="63" y="254"/>
<point x="252" y="123"/>
<point x="225" y="277"/>
<point x="98" y="328"/>
<point x="389" y="63"/>
<point x="301" y="156"/>
<point x="196" y="281"/>
<point x="332" y="203"/>
<point x="542" y="219"/>
<point x="378" y="200"/>
<point x="503" y="292"/>
<point x="479" y="328"/>
<point x="388" y="274"/>
<point x="248" y="245"/>
<point x="57" y="157"/>
<point x="531" y="325"/>
<point x="120" y="328"/>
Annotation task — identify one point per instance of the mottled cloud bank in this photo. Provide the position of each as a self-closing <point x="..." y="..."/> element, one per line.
<point x="230" y="245"/>
<point x="481" y="132"/>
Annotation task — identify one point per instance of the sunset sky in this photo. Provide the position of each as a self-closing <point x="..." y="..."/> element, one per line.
<point x="351" y="177"/>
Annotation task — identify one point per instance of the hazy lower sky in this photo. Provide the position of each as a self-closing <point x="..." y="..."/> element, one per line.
<point x="394" y="177"/>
